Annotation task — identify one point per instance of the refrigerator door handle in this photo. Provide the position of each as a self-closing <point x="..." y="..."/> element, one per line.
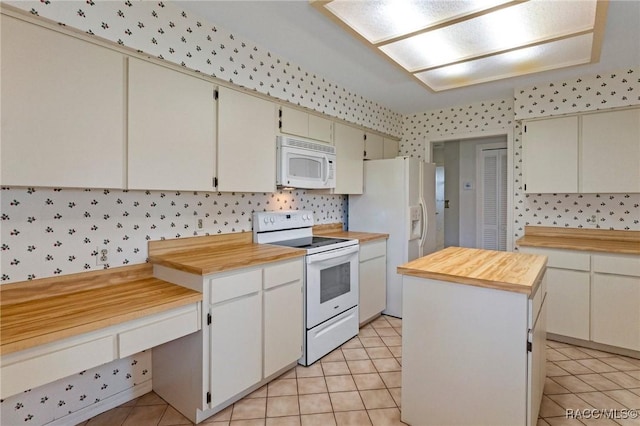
<point x="424" y="224"/>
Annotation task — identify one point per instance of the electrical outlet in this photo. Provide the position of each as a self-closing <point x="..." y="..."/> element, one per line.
<point x="200" y="223"/>
<point x="102" y="258"/>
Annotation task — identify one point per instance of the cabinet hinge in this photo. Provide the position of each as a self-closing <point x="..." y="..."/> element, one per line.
<point x="215" y="94"/>
<point x="529" y="346"/>
<point x="208" y="397"/>
<point x="525" y="129"/>
<point x="279" y="124"/>
<point x="365" y="137"/>
<point x="525" y="186"/>
<point x="365" y="153"/>
<point x="280" y="113"/>
<point x="215" y="182"/>
<point x="209" y="319"/>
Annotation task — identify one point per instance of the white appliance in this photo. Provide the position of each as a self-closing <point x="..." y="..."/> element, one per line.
<point x="399" y="200"/>
<point x="305" y="164"/>
<point x="331" y="278"/>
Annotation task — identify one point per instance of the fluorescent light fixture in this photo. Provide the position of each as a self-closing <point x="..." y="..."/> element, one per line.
<point x="477" y="40"/>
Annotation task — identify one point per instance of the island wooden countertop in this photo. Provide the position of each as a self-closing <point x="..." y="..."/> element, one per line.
<point x="599" y="240"/>
<point x="500" y="270"/>
<point x="335" y="230"/>
<point x="43" y="311"/>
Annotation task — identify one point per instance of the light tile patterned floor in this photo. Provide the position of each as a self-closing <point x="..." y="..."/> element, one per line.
<point x="359" y="384"/>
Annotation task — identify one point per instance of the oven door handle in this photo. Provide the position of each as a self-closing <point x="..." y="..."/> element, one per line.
<point x="333" y="254"/>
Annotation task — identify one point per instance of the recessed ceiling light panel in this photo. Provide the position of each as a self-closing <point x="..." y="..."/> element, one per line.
<point x="454" y="43"/>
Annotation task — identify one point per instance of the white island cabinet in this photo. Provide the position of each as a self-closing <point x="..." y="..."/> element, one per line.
<point x="473" y="338"/>
<point x="252" y="331"/>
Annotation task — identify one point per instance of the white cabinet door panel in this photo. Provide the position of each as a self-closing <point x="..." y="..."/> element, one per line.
<point x="349" y="143"/>
<point x="172" y="121"/>
<point x="610" y="152"/>
<point x="391" y="148"/>
<point x="320" y="128"/>
<point x="615" y="315"/>
<point x="568" y="303"/>
<point x="283" y="322"/>
<point x="294" y="122"/>
<point x="62" y="110"/>
<point x="550" y="155"/>
<point x="246" y="143"/>
<point x="235" y="346"/>
<point x="373" y="147"/>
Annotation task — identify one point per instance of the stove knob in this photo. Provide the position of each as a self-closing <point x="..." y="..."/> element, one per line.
<point x="273" y="219"/>
<point x="308" y="217"/>
<point x="266" y="220"/>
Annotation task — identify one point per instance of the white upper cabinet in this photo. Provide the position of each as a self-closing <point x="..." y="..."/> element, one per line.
<point x="391" y="148"/>
<point x="610" y="154"/>
<point x="246" y="142"/>
<point x="300" y="123"/>
<point x="550" y="152"/>
<point x="172" y="129"/>
<point x="349" y="142"/>
<point x="373" y="146"/>
<point x="62" y="110"/>
<point x="588" y="153"/>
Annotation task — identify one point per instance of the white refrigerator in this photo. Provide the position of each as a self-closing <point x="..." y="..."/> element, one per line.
<point x="399" y="200"/>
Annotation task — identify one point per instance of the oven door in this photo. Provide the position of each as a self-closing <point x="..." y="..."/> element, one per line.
<point x="332" y="284"/>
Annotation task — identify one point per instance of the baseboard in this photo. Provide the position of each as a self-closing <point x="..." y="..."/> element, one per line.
<point x="105" y="405"/>
<point x="593" y="345"/>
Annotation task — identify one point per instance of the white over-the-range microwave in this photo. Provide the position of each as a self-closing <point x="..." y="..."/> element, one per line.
<point x="306" y="164"/>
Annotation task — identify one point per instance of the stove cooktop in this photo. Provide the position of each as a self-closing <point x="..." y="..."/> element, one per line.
<point x="310" y="242"/>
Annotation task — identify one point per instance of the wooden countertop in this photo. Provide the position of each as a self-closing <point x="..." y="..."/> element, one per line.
<point x="500" y="270"/>
<point x="209" y="260"/>
<point x="43" y="311"/>
<point x="335" y="230"/>
<point x="599" y="240"/>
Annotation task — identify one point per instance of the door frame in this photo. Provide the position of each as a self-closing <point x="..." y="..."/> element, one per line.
<point x="501" y="131"/>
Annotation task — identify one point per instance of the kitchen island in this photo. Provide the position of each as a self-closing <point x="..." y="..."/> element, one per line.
<point x="473" y="339"/>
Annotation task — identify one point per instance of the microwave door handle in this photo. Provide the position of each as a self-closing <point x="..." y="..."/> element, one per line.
<point x="326" y="170"/>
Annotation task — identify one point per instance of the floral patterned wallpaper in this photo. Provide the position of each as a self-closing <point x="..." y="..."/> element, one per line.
<point x="55" y="400"/>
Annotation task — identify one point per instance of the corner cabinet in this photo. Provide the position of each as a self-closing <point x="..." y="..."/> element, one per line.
<point x="589" y="153"/>
<point x="246" y="142"/>
<point x="172" y="129"/>
<point x="63" y="109"/>
<point x="373" y="280"/>
<point x="252" y="331"/>
<point x="349" y="143"/>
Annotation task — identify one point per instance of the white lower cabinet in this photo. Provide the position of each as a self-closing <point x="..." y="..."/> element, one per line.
<point x="252" y="331"/>
<point x="373" y="280"/>
<point x="593" y="297"/>
<point x="615" y="301"/>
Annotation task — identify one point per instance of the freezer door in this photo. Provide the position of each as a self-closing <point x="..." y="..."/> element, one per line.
<point x="428" y="208"/>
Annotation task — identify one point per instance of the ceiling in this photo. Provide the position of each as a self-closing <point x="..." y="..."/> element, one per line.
<point x="297" y="32"/>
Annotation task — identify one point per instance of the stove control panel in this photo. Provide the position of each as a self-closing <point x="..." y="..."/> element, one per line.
<point x="282" y="219"/>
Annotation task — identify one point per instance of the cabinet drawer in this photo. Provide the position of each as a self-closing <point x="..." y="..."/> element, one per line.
<point x="236" y="285"/>
<point x="616" y="264"/>
<point x="46" y="367"/>
<point x="373" y="250"/>
<point x="158" y="330"/>
<point x="565" y="259"/>
<point x="282" y="273"/>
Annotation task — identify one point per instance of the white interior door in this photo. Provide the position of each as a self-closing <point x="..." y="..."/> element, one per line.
<point x="439" y="208"/>
<point x="492" y="199"/>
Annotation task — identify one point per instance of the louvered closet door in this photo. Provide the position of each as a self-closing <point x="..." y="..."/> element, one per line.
<point x="493" y="232"/>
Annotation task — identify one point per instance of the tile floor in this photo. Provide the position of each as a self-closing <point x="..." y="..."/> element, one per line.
<point x="359" y="384"/>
